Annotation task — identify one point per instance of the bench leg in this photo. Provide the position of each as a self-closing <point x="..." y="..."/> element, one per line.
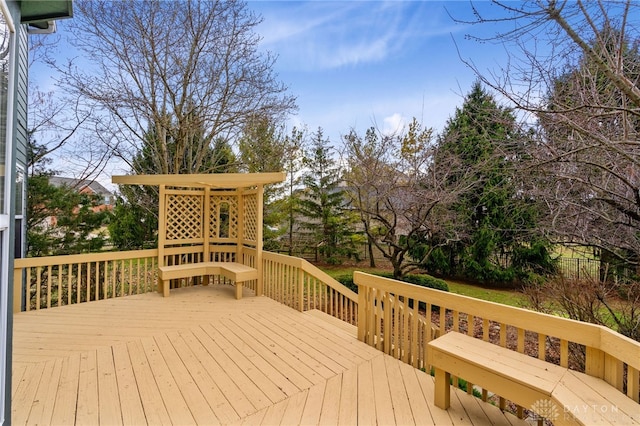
<point x="163" y="287"/>
<point x="442" y="396"/>
<point x="238" y="290"/>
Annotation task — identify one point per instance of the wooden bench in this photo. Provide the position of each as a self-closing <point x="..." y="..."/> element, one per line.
<point x="562" y="395"/>
<point x="236" y="272"/>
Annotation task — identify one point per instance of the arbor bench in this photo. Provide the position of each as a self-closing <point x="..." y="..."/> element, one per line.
<point x="236" y="272"/>
<point x="564" y="396"/>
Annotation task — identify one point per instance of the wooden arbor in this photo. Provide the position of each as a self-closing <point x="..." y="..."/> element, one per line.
<point x="209" y="218"/>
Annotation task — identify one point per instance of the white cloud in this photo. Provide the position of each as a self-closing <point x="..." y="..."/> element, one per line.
<point x="394" y="124"/>
<point x="328" y="35"/>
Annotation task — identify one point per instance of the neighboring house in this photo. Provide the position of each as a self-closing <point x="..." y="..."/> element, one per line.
<point x="17" y="20"/>
<point x="84" y="187"/>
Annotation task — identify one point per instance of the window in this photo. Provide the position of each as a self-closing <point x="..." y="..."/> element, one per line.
<point x="19" y="212"/>
<point x="6" y="136"/>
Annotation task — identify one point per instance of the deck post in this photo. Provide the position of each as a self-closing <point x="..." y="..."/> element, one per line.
<point x="17" y="290"/>
<point x="259" y="242"/>
<point x="362" y="309"/>
<point x="300" y="289"/>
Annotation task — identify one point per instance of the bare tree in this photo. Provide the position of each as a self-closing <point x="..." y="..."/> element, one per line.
<point x="174" y="68"/>
<point x="399" y="191"/>
<point x="577" y="74"/>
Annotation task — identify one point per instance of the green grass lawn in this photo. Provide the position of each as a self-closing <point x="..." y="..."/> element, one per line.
<point x="506" y="297"/>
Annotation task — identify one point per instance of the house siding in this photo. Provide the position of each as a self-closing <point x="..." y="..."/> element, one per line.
<point x="17" y="151"/>
<point x="22" y="72"/>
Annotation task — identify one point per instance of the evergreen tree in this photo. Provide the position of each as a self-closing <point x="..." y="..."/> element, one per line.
<point x="323" y="203"/>
<point x="60" y="219"/>
<point x="494" y="223"/>
<point x="135" y="219"/>
<point x="293" y="162"/>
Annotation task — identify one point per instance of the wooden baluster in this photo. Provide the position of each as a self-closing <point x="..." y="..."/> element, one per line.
<point x="564" y="353"/>
<point x="542" y="346"/>
<point x="331" y="298"/>
<point x="394" y="340"/>
<point x="105" y="281"/>
<point x="633" y="384"/>
<point x="470" y="332"/>
<point x="379" y="300"/>
<point x="414" y="334"/>
<point x="122" y="282"/>
<point x="315" y="290"/>
<point x="146" y="281"/>
<point x="137" y="276"/>
<point x="405" y="333"/>
<point x="113" y="280"/>
<point x="521" y="337"/>
<point x="427" y="337"/>
<point x="503" y="335"/>
<point x="387" y="322"/>
<point x="485" y="329"/>
<point x="69" y="282"/>
<point x="79" y="283"/>
<point x="59" y="285"/>
<point x="38" y="284"/>
<point x="371" y="316"/>
<point x="89" y="276"/>
<point x="456" y="321"/>
<point x="49" y="278"/>
<point x="130" y="268"/>
<point x="613" y="371"/>
<point x="485" y="337"/>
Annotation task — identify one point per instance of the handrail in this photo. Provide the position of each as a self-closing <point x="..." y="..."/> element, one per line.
<point x="44" y="282"/>
<point x="301" y="285"/>
<point x="314" y="271"/>
<point x="27" y="262"/>
<point x="383" y="322"/>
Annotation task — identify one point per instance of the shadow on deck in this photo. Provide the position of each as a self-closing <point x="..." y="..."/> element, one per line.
<point x="202" y="357"/>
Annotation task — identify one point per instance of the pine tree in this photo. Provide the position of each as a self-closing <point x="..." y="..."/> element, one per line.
<point x="494" y="222"/>
<point x="323" y="203"/>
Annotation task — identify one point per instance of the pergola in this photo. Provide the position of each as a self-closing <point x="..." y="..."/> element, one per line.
<point x="209" y="217"/>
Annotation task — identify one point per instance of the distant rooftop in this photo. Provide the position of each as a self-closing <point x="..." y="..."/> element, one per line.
<point x="80" y="184"/>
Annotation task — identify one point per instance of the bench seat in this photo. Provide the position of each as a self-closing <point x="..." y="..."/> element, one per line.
<point x="237" y="272"/>
<point x="562" y="395"/>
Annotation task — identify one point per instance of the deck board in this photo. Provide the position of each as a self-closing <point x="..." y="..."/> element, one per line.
<point x="203" y="357"/>
<point x="130" y="403"/>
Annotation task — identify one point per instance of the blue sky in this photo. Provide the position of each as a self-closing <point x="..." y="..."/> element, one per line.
<point x="357" y="64"/>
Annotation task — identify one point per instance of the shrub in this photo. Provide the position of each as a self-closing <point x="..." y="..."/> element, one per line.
<point x="421" y="280"/>
<point x="347" y="281"/>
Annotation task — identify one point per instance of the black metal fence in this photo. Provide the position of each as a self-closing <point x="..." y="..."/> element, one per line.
<point x="595" y="269"/>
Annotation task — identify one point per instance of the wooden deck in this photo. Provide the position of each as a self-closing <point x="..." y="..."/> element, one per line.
<point x="202" y="357"/>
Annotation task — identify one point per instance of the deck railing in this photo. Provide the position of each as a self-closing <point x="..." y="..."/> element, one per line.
<point x="300" y="285"/>
<point x="396" y="318"/>
<point x="44" y="282"/>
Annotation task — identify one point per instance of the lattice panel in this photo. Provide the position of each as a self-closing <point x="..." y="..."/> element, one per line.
<point x="184" y="216"/>
<point x="250" y="217"/>
<point x="215" y="203"/>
